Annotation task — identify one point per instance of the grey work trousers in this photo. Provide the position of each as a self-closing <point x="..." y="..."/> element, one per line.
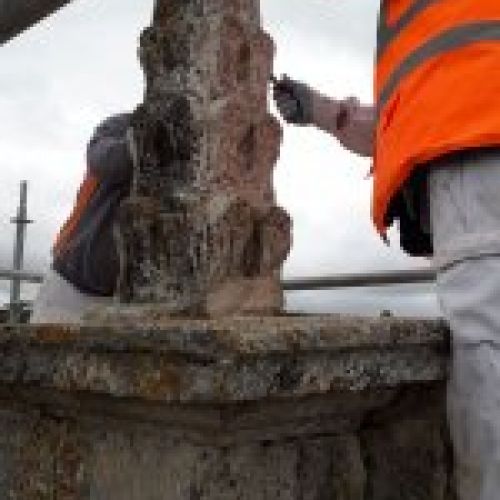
<point x="464" y="198"/>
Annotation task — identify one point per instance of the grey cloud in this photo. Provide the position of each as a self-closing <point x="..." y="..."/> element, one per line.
<point x="342" y="23"/>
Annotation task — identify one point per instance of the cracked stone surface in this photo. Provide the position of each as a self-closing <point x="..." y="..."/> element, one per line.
<point x="296" y="408"/>
<point x="202" y="232"/>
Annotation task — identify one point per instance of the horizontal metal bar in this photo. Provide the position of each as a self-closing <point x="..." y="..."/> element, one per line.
<point x="377" y="278"/>
<point x="7" y="274"/>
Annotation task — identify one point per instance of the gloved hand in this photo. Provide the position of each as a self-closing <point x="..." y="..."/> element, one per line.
<point x="294" y="101"/>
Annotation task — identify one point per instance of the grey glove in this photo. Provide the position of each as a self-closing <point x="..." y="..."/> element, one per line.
<point x="294" y="101"/>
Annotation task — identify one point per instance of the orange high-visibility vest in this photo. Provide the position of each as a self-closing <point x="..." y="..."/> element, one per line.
<point x="437" y="86"/>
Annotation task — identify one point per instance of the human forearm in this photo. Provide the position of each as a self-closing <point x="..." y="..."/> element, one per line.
<point x="352" y="123"/>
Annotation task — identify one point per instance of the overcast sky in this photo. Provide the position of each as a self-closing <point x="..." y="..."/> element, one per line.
<point x="61" y="78"/>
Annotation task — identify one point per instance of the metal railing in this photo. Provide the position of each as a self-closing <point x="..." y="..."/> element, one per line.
<point x="376" y="278"/>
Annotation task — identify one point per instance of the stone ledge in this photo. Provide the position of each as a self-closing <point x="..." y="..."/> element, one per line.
<point x="289" y="407"/>
<point x="225" y="361"/>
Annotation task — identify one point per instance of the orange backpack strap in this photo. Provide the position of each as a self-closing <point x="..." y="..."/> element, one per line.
<point x="85" y="193"/>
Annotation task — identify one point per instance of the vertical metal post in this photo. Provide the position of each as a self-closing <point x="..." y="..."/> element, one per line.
<point x="21" y="221"/>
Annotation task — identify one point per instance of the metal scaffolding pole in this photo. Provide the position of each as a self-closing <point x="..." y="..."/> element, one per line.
<point x="21" y="221"/>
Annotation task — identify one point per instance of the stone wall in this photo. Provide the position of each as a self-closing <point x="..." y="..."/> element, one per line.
<point x="318" y="408"/>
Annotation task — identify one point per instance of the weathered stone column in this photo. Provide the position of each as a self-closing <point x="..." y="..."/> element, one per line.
<point x="202" y="231"/>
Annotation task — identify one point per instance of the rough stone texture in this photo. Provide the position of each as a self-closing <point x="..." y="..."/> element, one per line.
<point x="317" y="408"/>
<point x="202" y="233"/>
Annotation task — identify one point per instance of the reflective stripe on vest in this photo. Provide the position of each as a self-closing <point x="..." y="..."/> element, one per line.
<point x="387" y="32"/>
<point x="478" y="23"/>
<point x="453" y="39"/>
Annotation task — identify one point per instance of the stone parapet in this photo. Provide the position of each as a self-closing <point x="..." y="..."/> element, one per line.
<point x="287" y="407"/>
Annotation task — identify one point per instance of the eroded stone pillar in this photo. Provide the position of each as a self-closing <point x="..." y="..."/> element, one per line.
<point x="202" y="230"/>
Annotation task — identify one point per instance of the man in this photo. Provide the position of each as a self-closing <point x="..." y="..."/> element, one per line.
<point x="85" y="264"/>
<point x="435" y="141"/>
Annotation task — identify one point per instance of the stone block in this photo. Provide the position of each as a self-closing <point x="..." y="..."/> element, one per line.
<point x="296" y="408"/>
